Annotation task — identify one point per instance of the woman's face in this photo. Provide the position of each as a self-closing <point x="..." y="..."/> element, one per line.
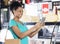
<point x="18" y="12"/>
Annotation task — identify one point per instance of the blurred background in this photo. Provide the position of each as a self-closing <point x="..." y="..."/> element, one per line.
<point x="34" y="10"/>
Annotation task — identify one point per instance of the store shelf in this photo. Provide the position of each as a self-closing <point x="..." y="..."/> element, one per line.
<point x="46" y="23"/>
<point x="52" y="23"/>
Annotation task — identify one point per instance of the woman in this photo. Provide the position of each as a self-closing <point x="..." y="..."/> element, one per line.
<point x="18" y="29"/>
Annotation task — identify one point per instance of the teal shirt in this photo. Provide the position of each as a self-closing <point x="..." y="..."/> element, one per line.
<point x="22" y="29"/>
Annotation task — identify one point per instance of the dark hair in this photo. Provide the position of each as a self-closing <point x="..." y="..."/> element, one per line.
<point x="14" y="5"/>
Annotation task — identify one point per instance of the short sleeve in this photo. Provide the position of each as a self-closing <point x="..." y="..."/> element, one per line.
<point x="12" y="23"/>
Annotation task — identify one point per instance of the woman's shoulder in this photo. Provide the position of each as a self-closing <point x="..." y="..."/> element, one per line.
<point x="11" y="21"/>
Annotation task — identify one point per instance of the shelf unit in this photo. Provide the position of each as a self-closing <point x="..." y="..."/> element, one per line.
<point x="46" y="23"/>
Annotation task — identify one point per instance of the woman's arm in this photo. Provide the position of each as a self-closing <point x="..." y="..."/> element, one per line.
<point x="35" y="32"/>
<point x="22" y="35"/>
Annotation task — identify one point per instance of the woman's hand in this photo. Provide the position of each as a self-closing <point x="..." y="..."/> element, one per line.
<point x="37" y="28"/>
<point x="40" y="24"/>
